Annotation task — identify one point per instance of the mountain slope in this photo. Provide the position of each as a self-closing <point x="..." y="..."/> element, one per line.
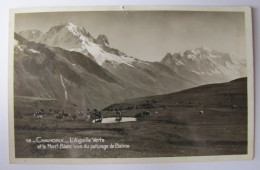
<point x="173" y="73"/>
<point x="69" y="77"/>
<point x="154" y="77"/>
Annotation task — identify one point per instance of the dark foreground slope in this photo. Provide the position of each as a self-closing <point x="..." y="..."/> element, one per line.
<point x="230" y="94"/>
<point x="176" y="126"/>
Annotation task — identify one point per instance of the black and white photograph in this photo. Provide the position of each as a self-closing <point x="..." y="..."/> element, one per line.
<point x="125" y="82"/>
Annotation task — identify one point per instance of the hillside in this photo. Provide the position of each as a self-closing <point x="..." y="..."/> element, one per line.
<point x="212" y="95"/>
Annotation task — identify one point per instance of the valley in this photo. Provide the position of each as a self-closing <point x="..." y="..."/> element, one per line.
<point x="175" y="127"/>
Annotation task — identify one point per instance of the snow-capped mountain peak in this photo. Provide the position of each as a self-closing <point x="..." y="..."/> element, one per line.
<point x="204" y="49"/>
<point x="101" y="55"/>
<point x="75" y="30"/>
<point x="205" y="61"/>
<point x="75" y="38"/>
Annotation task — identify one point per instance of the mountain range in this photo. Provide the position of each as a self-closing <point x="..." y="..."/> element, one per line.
<point x="69" y="64"/>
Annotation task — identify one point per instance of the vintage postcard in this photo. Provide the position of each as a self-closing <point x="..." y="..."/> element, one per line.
<point x="130" y="84"/>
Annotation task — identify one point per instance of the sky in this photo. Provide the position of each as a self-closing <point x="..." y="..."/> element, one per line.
<point x="150" y="35"/>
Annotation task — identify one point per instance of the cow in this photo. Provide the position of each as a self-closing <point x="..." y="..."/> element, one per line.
<point x="143" y="114"/>
<point x="38" y="113"/>
<point x="59" y="117"/>
<point x="201" y="112"/>
<point x="74" y="117"/>
<point x="234" y="106"/>
<point x="38" y="117"/>
<point x="66" y="114"/>
<point x="118" y="115"/>
<point x="147" y="113"/>
<point x="97" y="116"/>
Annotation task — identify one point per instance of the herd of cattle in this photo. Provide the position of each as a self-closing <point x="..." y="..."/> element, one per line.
<point x="89" y="115"/>
<point x="77" y="114"/>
